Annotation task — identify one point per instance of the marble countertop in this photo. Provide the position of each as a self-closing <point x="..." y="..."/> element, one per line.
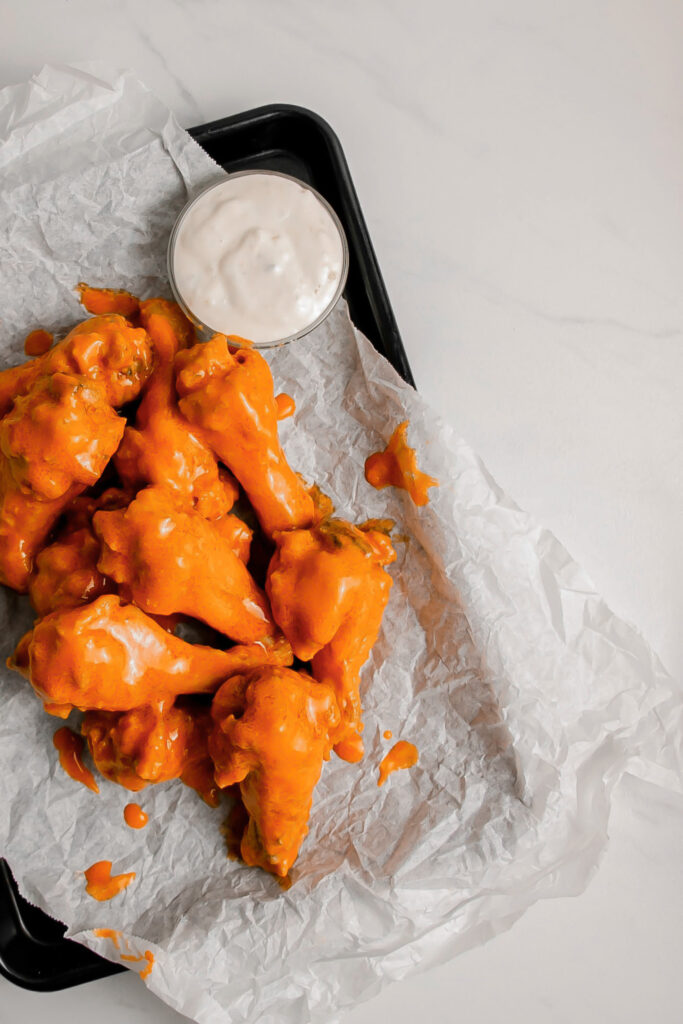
<point x="519" y="166"/>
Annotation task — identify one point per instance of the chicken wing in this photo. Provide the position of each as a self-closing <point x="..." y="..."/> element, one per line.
<point x="66" y="573"/>
<point x="328" y="590"/>
<point x="55" y="441"/>
<point x="152" y="744"/>
<point x="229" y="399"/>
<point x="106" y="349"/>
<point x="272" y="732"/>
<point x="62" y="432"/>
<point x="172" y="560"/>
<point x="162" y="448"/>
<point x="110" y="656"/>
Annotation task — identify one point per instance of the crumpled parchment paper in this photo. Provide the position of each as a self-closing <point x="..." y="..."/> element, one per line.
<point x="526" y="696"/>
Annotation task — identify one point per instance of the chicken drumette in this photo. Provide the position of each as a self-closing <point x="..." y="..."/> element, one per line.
<point x="273" y="730"/>
<point x="162" y="448"/>
<point x="54" y="443"/>
<point x="105" y="349"/>
<point x="66" y="573"/>
<point x="229" y="399"/>
<point x="152" y="744"/>
<point x="110" y="656"/>
<point x="172" y="560"/>
<point x="328" y="590"/>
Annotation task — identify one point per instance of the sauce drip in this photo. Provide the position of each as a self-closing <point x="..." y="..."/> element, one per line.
<point x="108" y="933"/>
<point x="147" y="955"/>
<point x="134" y="816"/>
<point x="198" y="775"/>
<point x="102" y="885"/>
<point x="146" y="971"/>
<point x="114" y="937"/>
<point x="401" y="755"/>
<point x="102" y="301"/>
<point x="38" y="342"/>
<point x="387" y="734"/>
<point x="350" y="749"/>
<point x="70" y="748"/>
<point x="396" y="466"/>
<point x="286" y="406"/>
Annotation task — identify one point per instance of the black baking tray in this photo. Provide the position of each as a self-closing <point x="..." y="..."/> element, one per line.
<point x="296" y="141"/>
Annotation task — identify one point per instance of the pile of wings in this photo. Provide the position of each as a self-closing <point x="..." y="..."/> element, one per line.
<point x="123" y="451"/>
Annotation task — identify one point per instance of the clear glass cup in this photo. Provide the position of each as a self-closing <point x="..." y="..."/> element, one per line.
<point x="203" y="330"/>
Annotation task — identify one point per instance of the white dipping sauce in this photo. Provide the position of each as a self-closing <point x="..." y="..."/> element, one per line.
<point x="258" y="255"/>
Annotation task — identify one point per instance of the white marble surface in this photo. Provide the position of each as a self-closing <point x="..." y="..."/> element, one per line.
<point x="519" y="164"/>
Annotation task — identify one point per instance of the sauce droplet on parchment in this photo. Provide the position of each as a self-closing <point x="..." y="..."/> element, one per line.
<point x="286" y="406"/>
<point x="37" y="343"/>
<point x="397" y="466"/>
<point x="70" y="747"/>
<point x="134" y="816"/>
<point x="102" y="885"/>
<point x="401" y="755"/>
<point x="387" y="734"/>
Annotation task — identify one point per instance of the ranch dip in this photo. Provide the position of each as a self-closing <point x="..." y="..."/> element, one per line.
<point x="260" y="256"/>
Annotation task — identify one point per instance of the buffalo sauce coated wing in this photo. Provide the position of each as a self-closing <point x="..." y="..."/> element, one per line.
<point x="55" y="441"/>
<point x="162" y="448"/>
<point x="66" y="573"/>
<point x="229" y="399"/>
<point x="172" y="560"/>
<point x="328" y="590"/>
<point x="152" y="744"/>
<point x="110" y="656"/>
<point x="105" y="349"/>
<point x="272" y="732"/>
<point x="63" y="432"/>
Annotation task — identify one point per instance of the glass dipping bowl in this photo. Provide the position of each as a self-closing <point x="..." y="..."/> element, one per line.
<point x="204" y="330"/>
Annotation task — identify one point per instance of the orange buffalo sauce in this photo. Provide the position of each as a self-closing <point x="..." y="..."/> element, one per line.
<point x="387" y="734"/>
<point x="115" y="937"/>
<point x="147" y="955"/>
<point x="38" y="342"/>
<point x="108" y="933"/>
<point x="286" y="406"/>
<point x="396" y="466"/>
<point x="70" y="747"/>
<point x="134" y="816"/>
<point x="401" y="755"/>
<point x="102" y="885"/>
<point x="350" y="749"/>
<point x="101" y="301"/>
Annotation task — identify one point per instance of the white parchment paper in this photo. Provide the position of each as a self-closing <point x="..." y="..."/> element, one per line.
<point x="525" y="695"/>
